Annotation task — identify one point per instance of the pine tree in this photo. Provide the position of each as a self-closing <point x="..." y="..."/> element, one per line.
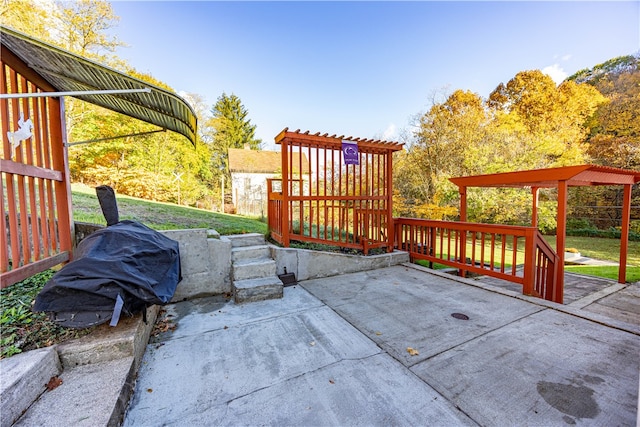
<point x="231" y="129"/>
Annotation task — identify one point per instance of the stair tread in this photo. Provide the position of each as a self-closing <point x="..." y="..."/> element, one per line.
<point x="253" y="261"/>
<point x="261" y="281"/>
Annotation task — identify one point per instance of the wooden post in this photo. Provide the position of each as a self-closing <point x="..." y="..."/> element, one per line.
<point x="286" y="182"/>
<point x="534" y="207"/>
<point x="624" y="234"/>
<point x="390" y="228"/>
<point x="463" y="237"/>
<point x="463" y="204"/>
<point x="61" y="163"/>
<point x="561" y="231"/>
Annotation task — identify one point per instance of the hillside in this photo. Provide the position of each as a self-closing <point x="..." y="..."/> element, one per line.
<point x="160" y="216"/>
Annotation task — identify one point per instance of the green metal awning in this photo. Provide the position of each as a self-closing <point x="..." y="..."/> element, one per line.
<point x="68" y="72"/>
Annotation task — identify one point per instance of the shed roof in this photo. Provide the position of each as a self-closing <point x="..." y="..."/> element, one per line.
<point x="259" y="161"/>
<point x="67" y="72"/>
<point x="583" y="175"/>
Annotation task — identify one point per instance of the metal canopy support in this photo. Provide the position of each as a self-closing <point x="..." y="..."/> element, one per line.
<point x="72" y="93"/>
<point x="115" y="137"/>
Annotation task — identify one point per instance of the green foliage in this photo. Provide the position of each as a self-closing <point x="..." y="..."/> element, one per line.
<point x="229" y="127"/>
<point x="23" y="329"/>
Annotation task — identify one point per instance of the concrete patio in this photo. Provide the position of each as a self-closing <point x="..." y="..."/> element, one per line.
<point x="392" y="347"/>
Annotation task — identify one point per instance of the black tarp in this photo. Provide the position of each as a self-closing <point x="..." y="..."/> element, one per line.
<point x="124" y="267"/>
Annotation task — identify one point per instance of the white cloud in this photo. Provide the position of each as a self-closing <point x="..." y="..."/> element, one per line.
<point x="555" y="72"/>
<point x="566" y="57"/>
<point x="390" y="133"/>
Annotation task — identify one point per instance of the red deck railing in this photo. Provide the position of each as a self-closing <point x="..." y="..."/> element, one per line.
<point x="331" y="200"/>
<point x="485" y="249"/>
<point x="35" y="223"/>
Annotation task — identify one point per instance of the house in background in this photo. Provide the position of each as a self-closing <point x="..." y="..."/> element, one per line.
<point x="250" y="170"/>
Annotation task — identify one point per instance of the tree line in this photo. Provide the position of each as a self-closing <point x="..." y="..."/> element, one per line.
<point x="527" y="123"/>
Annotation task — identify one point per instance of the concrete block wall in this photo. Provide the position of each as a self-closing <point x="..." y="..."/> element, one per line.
<point x="308" y="264"/>
<point x="205" y="258"/>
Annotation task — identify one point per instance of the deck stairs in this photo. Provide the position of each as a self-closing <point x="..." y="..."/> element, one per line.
<point x="253" y="271"/>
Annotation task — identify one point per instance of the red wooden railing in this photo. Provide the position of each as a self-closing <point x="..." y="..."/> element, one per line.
<point x="331" y="200"/>
<point x="35" y="223"/>
<point x="484" y="249"/>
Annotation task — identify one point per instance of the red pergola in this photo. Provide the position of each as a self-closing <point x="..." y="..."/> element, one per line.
<point x="561" y="178"/>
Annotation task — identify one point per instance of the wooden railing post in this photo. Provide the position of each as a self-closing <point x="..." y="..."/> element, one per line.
<point x="529" y="262"/>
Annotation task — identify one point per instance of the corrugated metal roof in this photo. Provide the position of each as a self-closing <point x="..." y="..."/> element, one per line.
<point x="67" y="71"/>
<point x="583" y="175"/>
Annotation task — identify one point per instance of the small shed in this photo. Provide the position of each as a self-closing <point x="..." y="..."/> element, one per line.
<point x="250" y="170"/>
<point x="36" y="230"/>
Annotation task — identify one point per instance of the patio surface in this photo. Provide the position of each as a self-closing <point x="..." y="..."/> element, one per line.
<point x="382" y="348"/>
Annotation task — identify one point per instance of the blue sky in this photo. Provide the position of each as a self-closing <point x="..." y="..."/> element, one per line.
<point x="363" y="68"/>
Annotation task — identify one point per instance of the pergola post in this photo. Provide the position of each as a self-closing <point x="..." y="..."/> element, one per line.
<point x="534" y="207"/>
<point x="463" y="203"/>
<point x="284" y="219"/>
<point x="463" y="233"/>
<point x="561" y="232"/>
<point x="624" y="234"/>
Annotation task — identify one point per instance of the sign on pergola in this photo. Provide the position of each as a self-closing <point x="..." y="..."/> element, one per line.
<point x="343" y="199"/>
<point x="561" y="178"/>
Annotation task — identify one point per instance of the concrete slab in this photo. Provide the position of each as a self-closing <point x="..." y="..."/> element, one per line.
<point x="195" y="317"/>
<point x="372" y="391"/>
<point x="548" y="369"/>
<point x="280" y="362"/>
<point x="401" y="307"/>
<point x="623" y="305"/>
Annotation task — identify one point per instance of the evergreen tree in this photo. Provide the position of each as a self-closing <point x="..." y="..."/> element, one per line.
<point x="230" y="128"/>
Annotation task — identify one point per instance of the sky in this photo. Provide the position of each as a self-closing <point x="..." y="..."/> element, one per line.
<point x="363" y="69"/>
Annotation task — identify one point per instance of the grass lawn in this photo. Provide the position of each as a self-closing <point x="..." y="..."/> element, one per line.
<point x="160" y="216"/>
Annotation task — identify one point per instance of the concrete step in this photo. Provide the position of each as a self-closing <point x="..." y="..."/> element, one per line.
<point x="253" y="269"/>
<point x="24" y="377"/>
<point x="242" y="253"/>
<point x="89" y="395"/>
<point x="250" y="290"/>
<point x="249" y="239"/>
<point x="97" y="371"/>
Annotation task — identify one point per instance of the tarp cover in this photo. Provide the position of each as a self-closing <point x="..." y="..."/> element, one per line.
<point x="121" y="268"/>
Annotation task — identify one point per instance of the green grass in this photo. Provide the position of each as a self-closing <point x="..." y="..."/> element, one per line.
<point x="608" y="272"/>
<point x="161" y="216"/>
<point x="600" y="248"/>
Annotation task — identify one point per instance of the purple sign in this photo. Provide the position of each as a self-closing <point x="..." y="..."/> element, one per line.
<point x="350" y="152"/>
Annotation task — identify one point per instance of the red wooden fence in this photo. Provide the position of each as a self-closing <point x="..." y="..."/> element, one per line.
<point x="334" y="202"/>
<point x="36" y="227"/>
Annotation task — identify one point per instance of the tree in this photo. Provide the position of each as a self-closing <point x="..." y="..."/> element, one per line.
<point x="553" y="117"/>
<point x="230" y="127"/>
<point x="84" y="26"/>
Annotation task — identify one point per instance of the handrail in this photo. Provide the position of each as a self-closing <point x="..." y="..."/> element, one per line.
<point x="485" y="249"/>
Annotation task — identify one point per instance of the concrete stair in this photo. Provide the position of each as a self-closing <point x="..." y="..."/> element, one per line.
<point x="253" y="270"/>
<point x="97" y="374"/>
